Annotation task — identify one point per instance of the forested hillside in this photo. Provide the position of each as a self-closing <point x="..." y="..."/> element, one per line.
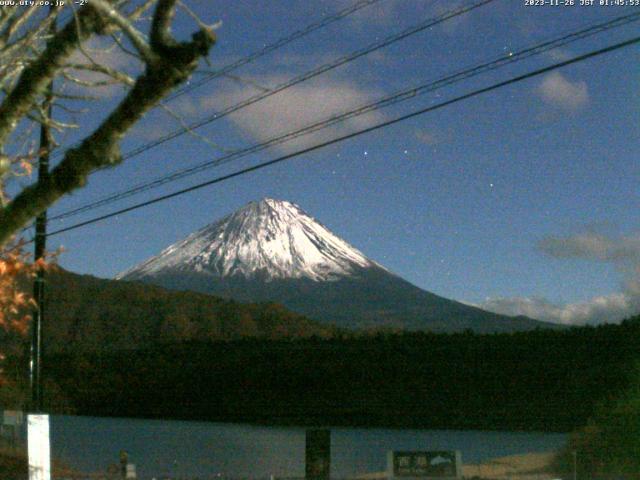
<point x="86" y="313"/>
<point x="126" y="349"/>
<point x="541" y="380"/>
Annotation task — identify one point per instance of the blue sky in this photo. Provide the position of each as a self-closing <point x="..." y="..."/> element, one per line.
<point x="523" y="200"/>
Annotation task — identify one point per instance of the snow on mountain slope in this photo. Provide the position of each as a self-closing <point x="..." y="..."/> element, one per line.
<point x="272" y="239"/>
<point x="272" y="251"/>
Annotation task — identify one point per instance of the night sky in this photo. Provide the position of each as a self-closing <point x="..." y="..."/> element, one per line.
<point x="522" y="200"/>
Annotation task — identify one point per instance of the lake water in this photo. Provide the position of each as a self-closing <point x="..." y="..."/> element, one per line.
<point x="198" y="449"/>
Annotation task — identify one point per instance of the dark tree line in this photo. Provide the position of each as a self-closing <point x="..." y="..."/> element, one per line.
<point x="539" y="380"/>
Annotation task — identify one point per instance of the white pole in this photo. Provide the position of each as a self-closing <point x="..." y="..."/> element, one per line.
<point x="39" y="447"/>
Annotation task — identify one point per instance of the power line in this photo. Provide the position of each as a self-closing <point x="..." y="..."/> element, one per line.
<point x="40" y="243"/>
<point x="281" y="42"/>
<point x="392" y="99"/>
<point x="307" y="76"/>
<point x="274" y="46"/>
<point x="310" y="74"/>
<point x="313" y="73"/>
<point x="336" y="140"/>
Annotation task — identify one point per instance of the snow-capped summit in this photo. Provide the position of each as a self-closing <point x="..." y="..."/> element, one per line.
<point x="272" y="251"/>
<point x="271" y="239"/>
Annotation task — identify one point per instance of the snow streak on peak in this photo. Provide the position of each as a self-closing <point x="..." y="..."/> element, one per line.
<point x="270" y="239"/>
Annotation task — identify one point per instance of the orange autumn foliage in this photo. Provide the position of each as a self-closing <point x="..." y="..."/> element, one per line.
<point x="16" y="301"/>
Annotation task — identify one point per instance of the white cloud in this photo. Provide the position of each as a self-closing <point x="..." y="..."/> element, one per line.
<point x="105" y="53"/>
<point x="622" y="252"/>
<point x="607" y="308"/>
<point x="593" y="246"/>
<point x="293" y="108"/>
<point x="557" y="90"/>
<point x="287" y="111"/>
<point x="558" y="55"/>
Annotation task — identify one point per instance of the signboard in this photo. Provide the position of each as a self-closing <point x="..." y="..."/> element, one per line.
<point x="318" y="454"/>
<point x="424" y="464"/>
<point x="12" y="417"/>
<point x="39" y="447"/>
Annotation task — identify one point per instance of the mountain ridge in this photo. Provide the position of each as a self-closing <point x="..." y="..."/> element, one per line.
<point x="93" y="314"/>
<point x="272" y="250"/>
<point x="271" y="237"/>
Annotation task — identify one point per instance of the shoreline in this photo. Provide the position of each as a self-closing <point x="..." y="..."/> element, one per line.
<point x="526" y="466"/>
<point x="365" y="422"/>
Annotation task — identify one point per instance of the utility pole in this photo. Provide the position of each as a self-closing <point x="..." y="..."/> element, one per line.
<point x="38" y="431"/>
<point x="46" y="143"/>
<point x="38" y="287"/>
<point x="40" y="247"/>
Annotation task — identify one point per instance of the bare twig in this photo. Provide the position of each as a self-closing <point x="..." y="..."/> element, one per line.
<point x="137" y="38"/>
<point x="169" y="64"/>
<point x="35" y="78"/>
<point x="115" y="79"/>
<point x="191" y="131"/>
<point x="137" y="13"/>
<point x="119" y="42"/>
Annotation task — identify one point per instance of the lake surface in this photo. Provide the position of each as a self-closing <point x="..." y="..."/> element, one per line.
<point x="198" y="449"/>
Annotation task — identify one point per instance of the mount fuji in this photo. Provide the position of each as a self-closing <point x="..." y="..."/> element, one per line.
<point x="272" y="250"/>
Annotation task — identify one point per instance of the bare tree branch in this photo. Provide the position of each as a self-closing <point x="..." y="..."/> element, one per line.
<point x="170" y="64"/>
<point x="35" y="78"/>
<point x="161" y="25"/>
<point x="116" y="76"/>
<point x="118" y="41"/>
<point x="137" y="13"/>
<point x="18" y="19"/>
<point x="137" y="39"/>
